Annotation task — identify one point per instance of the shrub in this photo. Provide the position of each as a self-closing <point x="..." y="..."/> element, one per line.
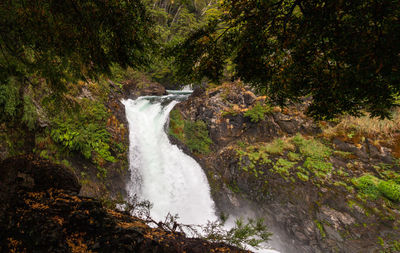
<point x="176" y="125"/>
<point x="9" y="98"/>
<point x="390" y="190"/>
<point x="196" y="136"/>
<point x="193" y="134"/>
<point x="257" y="112"/>
<point x="85" y="132"/>
<point x="29" y="115"/>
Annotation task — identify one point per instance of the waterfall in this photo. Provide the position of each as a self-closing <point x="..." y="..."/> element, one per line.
<point x="160" y="172"/>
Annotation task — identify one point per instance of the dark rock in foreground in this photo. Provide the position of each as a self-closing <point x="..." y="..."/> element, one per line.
<point x="45" y="214"/>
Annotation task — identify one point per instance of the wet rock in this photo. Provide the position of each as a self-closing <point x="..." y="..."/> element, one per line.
<point x="153" y="89"/>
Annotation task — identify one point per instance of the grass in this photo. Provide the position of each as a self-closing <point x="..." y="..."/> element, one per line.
<point x="283" y="166"/>
<point x="278" y="146"/>
<point x="367" y="126"/>
<point x="311" y="147"/>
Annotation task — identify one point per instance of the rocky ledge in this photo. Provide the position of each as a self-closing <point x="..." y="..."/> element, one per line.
<point x="42" y="212"/>
<point x="319" y="187"/>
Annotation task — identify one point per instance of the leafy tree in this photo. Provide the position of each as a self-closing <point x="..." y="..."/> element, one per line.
<point x="345" y="54"/>
<point x="174" y="20"/>
<point x="67" y="40"/>
<point x="64" y="41"/>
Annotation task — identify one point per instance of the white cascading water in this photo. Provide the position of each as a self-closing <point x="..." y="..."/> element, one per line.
<point x="160" y="172"/>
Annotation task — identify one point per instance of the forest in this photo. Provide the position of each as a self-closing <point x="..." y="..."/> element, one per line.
<point x="328" y="67"/>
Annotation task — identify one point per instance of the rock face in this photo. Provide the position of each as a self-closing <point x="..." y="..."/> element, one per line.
<point x="43" y="213"/>
<point x="29" y="174"/>
<point x="142" y="87"/>
<point x="285" y="169"/>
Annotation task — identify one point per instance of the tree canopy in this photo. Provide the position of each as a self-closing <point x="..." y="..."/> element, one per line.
<point x="345" y="54"/>
<point x="71" y="39"/>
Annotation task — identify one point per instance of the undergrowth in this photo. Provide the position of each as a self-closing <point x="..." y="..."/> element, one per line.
<point x="85" y="131"/>
<point x="193" y="134"/>
<point x="258" y="111"/>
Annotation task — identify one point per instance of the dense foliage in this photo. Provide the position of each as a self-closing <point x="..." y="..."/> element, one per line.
<point x="59" y="42"/>
<point x="64" y="40"/>
<point x="85" y="132"/>
<point x="174" y="21"/>
<point x="194" y="134"/>
<point x="345" y="54"/>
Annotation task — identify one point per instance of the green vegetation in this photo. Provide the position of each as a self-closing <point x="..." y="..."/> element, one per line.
<point x="367" y="184"/>
<point x="258" y="111"/>
<point x="293" y="156"/>
<point x="192" y="134"/>
<point x="288" y="50"/>
<point x="66" y="41"/>
<point x="9" y="98"/>
<point x="176" y="125"/>
<point x="29" y="116"/>
<point x="317" y="165"/>
<point x="278" y="146"/>
<point x="252" y="156"/>
<point x="253" y="232"/>
<point x="283" y="167"/>
<point x="389" y="246"/>
<point x="373" y="188"/>
<point x="173" y="22"/>
<point x="196" y="136"/>
<point x="311" y="147"/>
<point x="311" y="157"/>
<point x="85" y="132"/>
<point x="390" y="190"/>
<point x="320" y="228"/>
<point x="302" y="176"/>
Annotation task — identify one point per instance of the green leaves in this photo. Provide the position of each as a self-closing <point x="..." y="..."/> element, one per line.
<point x="64" y="41"/>
<point x="343" y="54"/>
<point x="196" y="136"/>
<point x="253" y="233"/>
<point x="9" y="97"/>
<point x="257" y="112"/>
<point x="85" y="132"/>
<point x="193" y="134"/>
